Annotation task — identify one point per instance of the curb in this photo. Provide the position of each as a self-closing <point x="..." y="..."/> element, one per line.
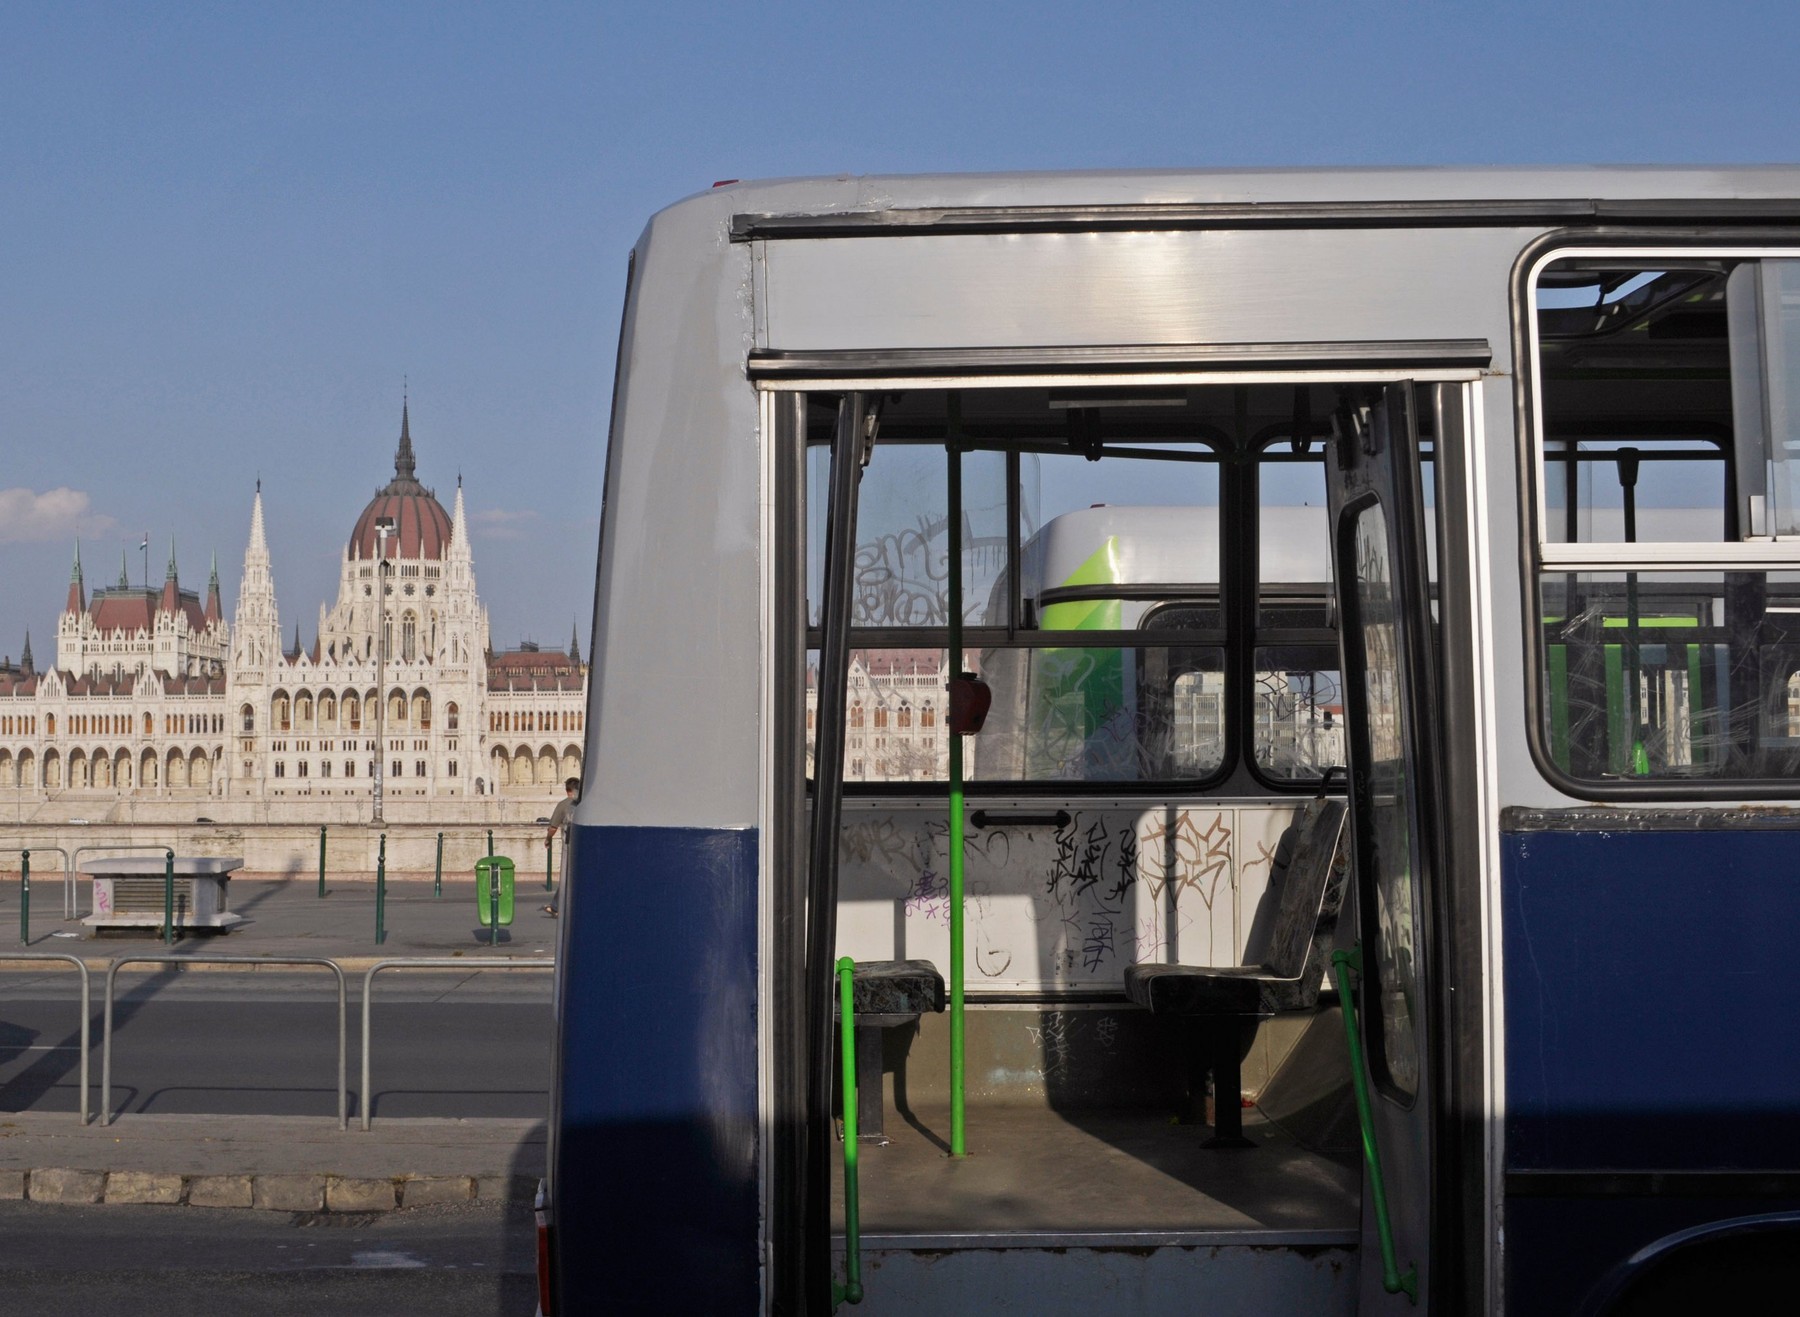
<point x="288" y="1192"/>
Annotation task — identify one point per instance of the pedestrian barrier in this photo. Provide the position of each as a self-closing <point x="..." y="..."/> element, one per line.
<point x="106" y="1034"/>
<point x="432" y="962"/>
<point x="86" y="1007"/>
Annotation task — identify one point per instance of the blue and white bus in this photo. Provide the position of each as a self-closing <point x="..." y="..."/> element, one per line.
<point x="1193" y="742"/>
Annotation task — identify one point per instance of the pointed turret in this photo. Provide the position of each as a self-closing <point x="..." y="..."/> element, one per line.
<point x="574" y="642"/>
<point x="405" y="468"/>
<point x="296" y="651"/>
<point x="255" y="627"/>
<point x="124" y="572"/>
<point x="26" y="666"/>
<point x="214" y="611"/>
<point x="77" y="603"/>
<point x="171" y="591"/>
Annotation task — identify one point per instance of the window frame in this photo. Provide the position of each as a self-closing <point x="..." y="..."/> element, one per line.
<point x="1538" y="556"/>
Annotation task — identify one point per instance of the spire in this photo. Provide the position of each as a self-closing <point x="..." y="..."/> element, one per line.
<point x="405" y="468"/>
<point x="294" y="654"/>
<point x="77" y="602"/>
<point x="124" y="572"/>
<point x="171" y="591"/>
<point x="25" y="664"/>
<point x="574" y="642"/>
<point x="257" y="543"/>
<point x="214" y="612"/>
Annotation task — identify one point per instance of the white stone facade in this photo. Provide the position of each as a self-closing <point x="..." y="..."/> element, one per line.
<point x="155" y="699"/>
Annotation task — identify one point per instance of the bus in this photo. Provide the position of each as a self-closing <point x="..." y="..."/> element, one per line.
<point x="1183" y="742"/>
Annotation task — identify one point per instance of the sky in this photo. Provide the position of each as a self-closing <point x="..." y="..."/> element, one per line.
<point x="232" y="234"/>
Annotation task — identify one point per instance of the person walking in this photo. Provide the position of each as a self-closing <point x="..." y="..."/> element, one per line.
<point x="559" y="822"/>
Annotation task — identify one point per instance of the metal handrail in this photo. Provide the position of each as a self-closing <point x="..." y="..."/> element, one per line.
<point x="1392" y="1280"/>
<point x="851" y="1291"/>
<point x="421" y="962"/>
<point x="112" y="973"/>
<point x="86" y="1007"/>
<point x="25" y="853"/>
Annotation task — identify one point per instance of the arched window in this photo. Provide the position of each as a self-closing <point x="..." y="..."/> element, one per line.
<point x="283" y="718"/>
<point x="422" y="710"/>
<point x="856" y="714"/>
<point x="50" y="724"/>
<point x="248" y="714"/>
<point x="327" y="711"/>
<point x="149" y="725"/>
<point x="396" y="711"/>
<point x="881" y="717"/>
<point x="905" y="716"/>
<point x="450" y="713"/>
<point x="409" y="630"/>
<point x="303" y="710"/>
<point x="928" y="716"/>
<point x="353" y="712"/>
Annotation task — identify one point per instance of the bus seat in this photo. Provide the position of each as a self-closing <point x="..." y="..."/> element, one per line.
<point x="1307" y="887"/>
<point x="886" y="993"/>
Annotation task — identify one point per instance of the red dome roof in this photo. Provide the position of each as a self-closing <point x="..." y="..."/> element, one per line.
<point x="421" y="526"/>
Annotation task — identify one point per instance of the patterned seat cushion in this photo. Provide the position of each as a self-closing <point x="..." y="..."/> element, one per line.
<point x="897" y="987"/>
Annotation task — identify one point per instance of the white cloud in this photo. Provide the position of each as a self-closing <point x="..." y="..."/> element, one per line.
<point x="503" y="523"/>
<point x="27" y="517"/>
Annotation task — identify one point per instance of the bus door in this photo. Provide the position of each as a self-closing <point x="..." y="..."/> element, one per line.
<point x="1379" y="539"/>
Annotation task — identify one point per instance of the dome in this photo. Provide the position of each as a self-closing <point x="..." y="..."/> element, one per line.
<point x="421" y="526"/>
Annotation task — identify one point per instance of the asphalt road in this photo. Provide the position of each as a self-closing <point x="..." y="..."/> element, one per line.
<point x="471" y="1261"/>
<point x="455" y="1045"/>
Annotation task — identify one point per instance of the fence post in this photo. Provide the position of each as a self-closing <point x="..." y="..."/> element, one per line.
<point x="381" y="893"/>
<point x="168" y="898"/>
<point x="24" y="898"/>
<point x="321" y="859"/>
<point x="437" y="885"/>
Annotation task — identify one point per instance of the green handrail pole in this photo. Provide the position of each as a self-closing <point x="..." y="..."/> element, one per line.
<point x="852" y="1290"/>
<point x="168" y="898"/>
<point x="24" y="898"/>
<point x="381" y="893"/>
<point x="549" y="855"/>
<point x="958" y="1113"/>
<point x="490" y="843"/>
<point x="437" y="883"/>
<point x="321" y="859"/>
<point x="1342" y="962"/>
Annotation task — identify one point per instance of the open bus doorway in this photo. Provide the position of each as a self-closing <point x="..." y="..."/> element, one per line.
<point x="1146" y="589"/>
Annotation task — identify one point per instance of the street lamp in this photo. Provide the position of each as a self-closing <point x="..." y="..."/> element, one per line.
<point x="384" y="527"/>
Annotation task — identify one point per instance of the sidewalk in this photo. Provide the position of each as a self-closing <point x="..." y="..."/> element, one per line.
<point x="283" y="1163"/>
<point x="280" y="1163"/>
<point x="285" y="916"/>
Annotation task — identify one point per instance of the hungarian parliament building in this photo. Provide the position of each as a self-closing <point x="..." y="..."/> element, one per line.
<point x="155" y="697"/>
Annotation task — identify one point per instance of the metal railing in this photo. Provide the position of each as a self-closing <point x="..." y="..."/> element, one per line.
<point x="25" y="853"/>
<point x="86" y="1007"/>
<point x="1393" y="1280"/>
<point x="851" y="1291"/>
<point x="421" y="962"/>
<point x="106" y="1035"/>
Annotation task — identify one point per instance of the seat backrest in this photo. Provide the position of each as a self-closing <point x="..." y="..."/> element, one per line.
<point x="1310" y="895"/>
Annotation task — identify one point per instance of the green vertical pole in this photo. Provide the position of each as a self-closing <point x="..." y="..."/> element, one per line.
<point x="381" y="893"/>
<point x="549" y="857"/>
<point x="852" y="1290"/>
<point x="437" y="883"/>
<point x="321" y="859"/>
<point x="168" y="898"/>
<point x="24" y="898"/>
<point x="490" y="843"/>
<point x="958" y="1139"/>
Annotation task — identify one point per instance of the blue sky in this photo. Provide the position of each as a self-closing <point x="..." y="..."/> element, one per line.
<point x="231" y="230"/>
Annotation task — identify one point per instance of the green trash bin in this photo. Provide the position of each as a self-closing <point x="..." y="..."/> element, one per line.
<point x="494" y="894"/>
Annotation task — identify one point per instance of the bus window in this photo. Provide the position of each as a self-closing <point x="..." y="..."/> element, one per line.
<point x="1664" y="446"/>
<point x="1297" y="718"/>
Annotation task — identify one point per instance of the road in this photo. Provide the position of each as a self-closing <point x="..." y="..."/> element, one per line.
<point x="454" y="1045"/>
<point x="193" y="1262"/>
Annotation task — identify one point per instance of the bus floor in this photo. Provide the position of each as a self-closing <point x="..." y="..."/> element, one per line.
<point x="1034" y="1177"/>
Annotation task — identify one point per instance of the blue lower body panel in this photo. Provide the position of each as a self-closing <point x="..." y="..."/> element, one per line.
<point x="654" y="1176"/>
<point x="1649" y="1028"/>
